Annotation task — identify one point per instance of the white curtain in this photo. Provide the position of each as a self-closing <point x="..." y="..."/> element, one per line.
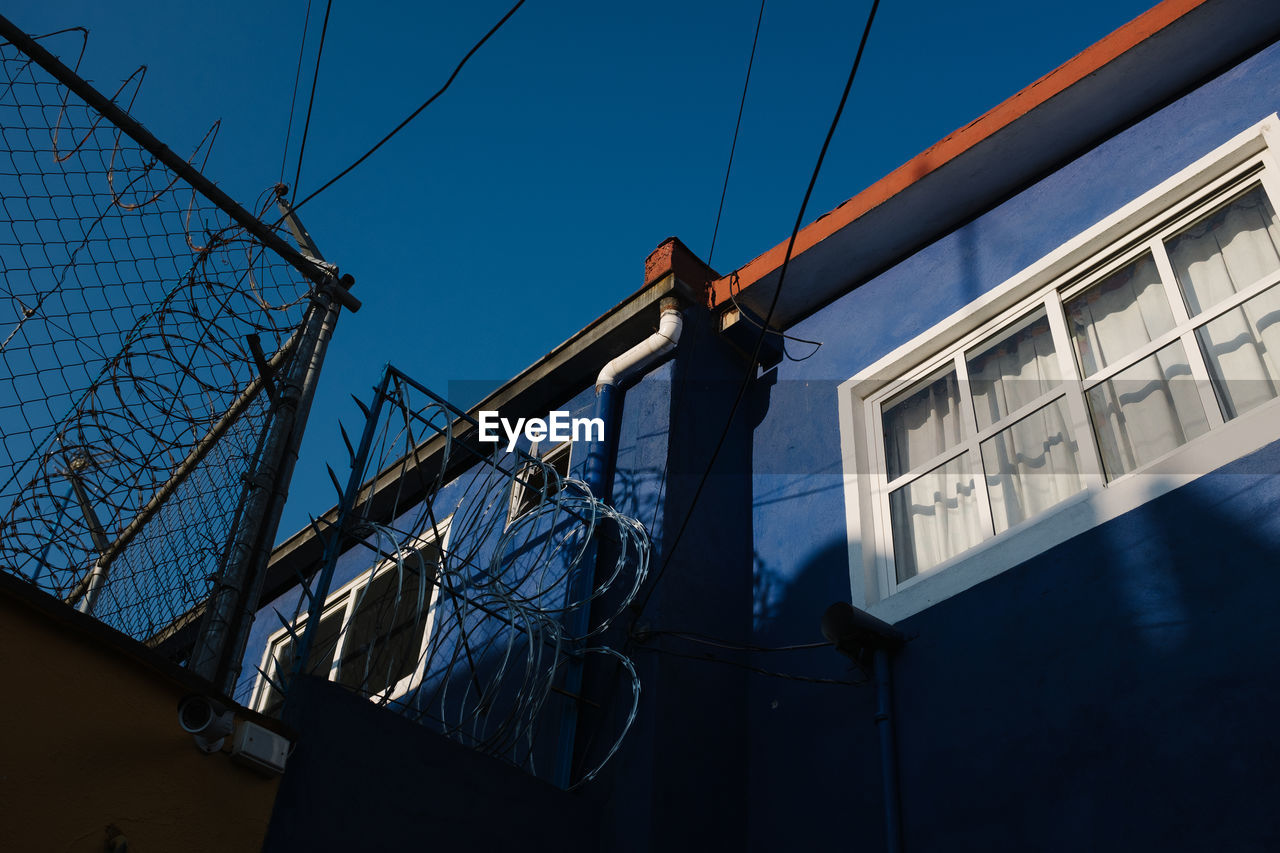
<point x="1146" y="410"/>
<point x="1221" y="255"/>
<point x="921" y="425"/>
<point x="1226" y="251"/>
<point x="1119" y="314"/>
<point x="1031" y="466"/>
<point x="1013" y="371"/>
<point x="1242" y="349"/>
<point x="934" y="518"/>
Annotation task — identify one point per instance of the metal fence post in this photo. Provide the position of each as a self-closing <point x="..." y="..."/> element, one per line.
<point x="228" y="617"/>
<point x="333" y="547"/>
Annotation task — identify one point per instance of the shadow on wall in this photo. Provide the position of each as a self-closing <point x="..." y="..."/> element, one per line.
<point x="814" y="763"/>
<point x="1117" y="692"/>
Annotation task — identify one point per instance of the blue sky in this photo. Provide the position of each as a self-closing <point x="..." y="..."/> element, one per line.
<point x="522" y="204"/>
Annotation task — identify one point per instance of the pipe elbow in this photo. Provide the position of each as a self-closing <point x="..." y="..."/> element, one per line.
<point x="661" y="342"/>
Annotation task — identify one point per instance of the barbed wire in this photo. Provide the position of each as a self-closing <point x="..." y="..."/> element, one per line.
<point x="130" y="404"/>
<point x="473" y="554"/>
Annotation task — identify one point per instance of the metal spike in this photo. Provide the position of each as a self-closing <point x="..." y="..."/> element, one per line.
<point x="351" y="451"/>
<point x="363" y="407"/>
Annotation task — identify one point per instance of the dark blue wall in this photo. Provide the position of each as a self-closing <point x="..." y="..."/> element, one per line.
<point x="679" y="781"/>
<point x="1117" y="693"/>
<point x="1114" y="693"/>
<point x="362" y="779"/>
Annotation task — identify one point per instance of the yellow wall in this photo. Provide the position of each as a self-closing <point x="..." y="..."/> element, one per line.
<point x="91" y="738"/>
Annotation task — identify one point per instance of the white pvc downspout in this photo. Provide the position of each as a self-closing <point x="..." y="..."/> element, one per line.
<point x="644" y="353"/>
<point x="598" y="477"/>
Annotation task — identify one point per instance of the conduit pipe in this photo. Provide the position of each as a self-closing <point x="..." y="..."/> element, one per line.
<point x="869" y="642"/>
<point x="631" y="363"/>
<point x="599" y="479"/>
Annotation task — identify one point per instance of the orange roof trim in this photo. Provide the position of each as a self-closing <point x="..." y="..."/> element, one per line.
<point x="952" y="146"/>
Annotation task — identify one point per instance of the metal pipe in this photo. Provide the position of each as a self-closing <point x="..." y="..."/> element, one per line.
<point x="599" y="479"/>
<point x="225" y="632"/>
<point x="93" y="585"/>
<point x="248" y="604"/>
<point x="888" y="752"/>
<point x="206" y="658"/>
<point x="858" y="635"/>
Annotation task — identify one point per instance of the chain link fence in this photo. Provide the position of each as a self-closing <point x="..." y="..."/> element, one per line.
<point x="142" y="316"/>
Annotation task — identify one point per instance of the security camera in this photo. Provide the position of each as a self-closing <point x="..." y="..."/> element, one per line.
<point x="208" y="720"/>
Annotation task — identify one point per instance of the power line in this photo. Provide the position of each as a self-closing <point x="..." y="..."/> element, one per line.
<point x="703" y="639"/>
<point x="709" y="658"/>
<point x="415" y="113"/>
<point x="773" y="305"/>
<point x="302" y="149"/>
<point x="293" y="100"/>
<point x="734" y="147"/>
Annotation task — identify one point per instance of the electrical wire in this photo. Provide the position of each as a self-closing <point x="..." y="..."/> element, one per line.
<point x="694" y="637"/>
<point x="315" y="77"/>
<point x="755" y="356"/>
<point x="734" y="288"/>
<point x="737" y="126"/>
<point x="709" y="658"/>
<point x="428" y="102"/>
<point x="293" y="99"/>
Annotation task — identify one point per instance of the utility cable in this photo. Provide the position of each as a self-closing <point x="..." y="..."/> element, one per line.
<point x="703" y="639"/>
<point x="773" y="304"/>
<point x="293" y="100"/>
<point x="709" y="658"/>
<point x="415" y="113"/>
<point x="311" y="101"/>
<point x="734" y="147"/>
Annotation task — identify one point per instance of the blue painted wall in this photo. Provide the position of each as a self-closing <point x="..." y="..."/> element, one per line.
<point x="1115" y="693"/>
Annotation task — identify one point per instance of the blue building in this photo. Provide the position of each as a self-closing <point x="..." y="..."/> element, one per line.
<point x="1039" y="439"/>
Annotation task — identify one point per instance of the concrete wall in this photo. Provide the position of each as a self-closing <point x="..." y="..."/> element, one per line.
<point x="91" y="740"/>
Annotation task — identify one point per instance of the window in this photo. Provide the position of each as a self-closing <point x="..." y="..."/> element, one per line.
<point x="536" y="482"/>
<point x="1155" y="334"/>
<point x="373" y="632"/>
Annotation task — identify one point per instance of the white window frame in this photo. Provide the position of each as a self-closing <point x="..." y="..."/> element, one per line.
<point x="1246" y="160"/>
<point x="519" y="488"/>
<point x="346" y="598"/>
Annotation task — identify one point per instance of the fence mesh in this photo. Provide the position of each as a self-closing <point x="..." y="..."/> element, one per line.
<point x="127" y="302"/>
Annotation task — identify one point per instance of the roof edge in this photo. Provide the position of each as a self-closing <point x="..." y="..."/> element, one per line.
<point x="955" y="144"/>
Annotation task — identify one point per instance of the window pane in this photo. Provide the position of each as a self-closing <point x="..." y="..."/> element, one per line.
<point x="1146" y="410"/>
<point x="934" y="518"/>
<point x="1031" y="466"/>
<point x="1119" y="314"/>
<point x="921" y="424"/>
<point x="531" y="485"/>
<point x="1242" y="349"/>
<point x="385" y="635"/>
<point x="1013" y="371"/>
<point x="321" y="658"/>
<point x="1226" y="251"/>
